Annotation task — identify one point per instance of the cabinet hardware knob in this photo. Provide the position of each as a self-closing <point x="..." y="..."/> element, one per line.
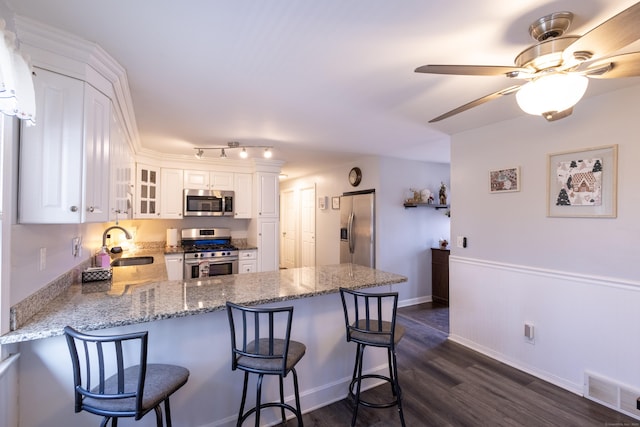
<point x="91" y="209"/>
<point x="73" y="209"/>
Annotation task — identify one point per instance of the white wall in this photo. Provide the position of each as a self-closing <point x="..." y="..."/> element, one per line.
<point x="575" y="279"/>
<point x="403" y="236"/>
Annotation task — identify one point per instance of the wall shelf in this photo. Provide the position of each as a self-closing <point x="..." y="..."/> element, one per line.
<point x="430" y="205"/>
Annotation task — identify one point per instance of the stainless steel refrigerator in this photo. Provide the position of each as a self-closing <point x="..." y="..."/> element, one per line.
<point x="357" y="228"/>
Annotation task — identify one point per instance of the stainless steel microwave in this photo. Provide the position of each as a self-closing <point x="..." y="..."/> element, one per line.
<point x="208" y="203"/>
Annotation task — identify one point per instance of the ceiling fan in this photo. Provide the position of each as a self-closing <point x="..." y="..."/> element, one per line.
<point x="556" y="69"/>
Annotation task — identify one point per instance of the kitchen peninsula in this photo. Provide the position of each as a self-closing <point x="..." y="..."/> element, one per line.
<point x="187" y="326"/>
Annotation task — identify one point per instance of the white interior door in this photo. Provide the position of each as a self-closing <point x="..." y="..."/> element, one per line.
<point x="308" y="227"/>
<point x="288" y="227"/>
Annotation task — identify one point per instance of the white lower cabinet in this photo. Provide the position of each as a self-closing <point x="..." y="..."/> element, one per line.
<point x="174" y="264"/>
<point x="247" y="261"/>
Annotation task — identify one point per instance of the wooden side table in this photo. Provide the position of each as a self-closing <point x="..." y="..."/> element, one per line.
<point x="440" y="275"/>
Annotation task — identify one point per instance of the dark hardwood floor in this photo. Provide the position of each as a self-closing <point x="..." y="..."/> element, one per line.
<point x="445" y="384"/>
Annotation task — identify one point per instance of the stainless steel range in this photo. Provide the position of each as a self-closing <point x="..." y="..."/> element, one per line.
<point x="208" y="252"/>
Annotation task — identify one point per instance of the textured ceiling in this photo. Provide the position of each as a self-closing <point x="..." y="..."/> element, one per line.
<point x="322" y="81"/>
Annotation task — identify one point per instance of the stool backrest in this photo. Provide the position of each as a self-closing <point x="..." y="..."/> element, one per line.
<point x="96" y="358"/>
<point x="369" y="314"/>
<point x="261" y="334"/>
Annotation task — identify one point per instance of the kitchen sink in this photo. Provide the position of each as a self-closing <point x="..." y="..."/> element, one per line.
<point x="135" y="260"/>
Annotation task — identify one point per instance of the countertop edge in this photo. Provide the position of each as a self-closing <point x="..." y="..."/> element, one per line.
<point x="42" y="331"/>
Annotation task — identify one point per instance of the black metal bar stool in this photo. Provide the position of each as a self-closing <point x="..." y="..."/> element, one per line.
<point x="112" y="378"/>
<point x="260" y="347"/>
<point x="370" y="320"/>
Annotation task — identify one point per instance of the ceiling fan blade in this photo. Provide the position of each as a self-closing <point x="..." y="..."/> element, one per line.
<point x="626" y="65"/>
<point x="477" y="102"/>
<point x="608" y="37"/>
<point x="473" y="70"/>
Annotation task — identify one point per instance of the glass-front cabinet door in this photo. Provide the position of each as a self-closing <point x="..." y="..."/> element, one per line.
<point x="147" y="184"/>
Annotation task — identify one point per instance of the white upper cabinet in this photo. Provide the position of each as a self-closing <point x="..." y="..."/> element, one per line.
<point x="171" y="182"/>
<point x="97" y="118"/>
<point x="208" y="180"/>
<point x="242" y="195"/>
<point x="221" y="181"/>
<point x="267" y="194"/>
<point x="147" y="192"/>
<point x="64" y="159"/>
<point x="122" y="173"/>
<point x="196" y="180"/>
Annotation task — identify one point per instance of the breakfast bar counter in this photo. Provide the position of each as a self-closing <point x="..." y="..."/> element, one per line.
<point x="133" y="298"/>
<point x="188" y="326"/>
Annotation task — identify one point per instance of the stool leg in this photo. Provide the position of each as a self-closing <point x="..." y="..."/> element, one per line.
<point x="355" y="366"/>
<point x="243" y="400"/>
<point x="391" y="375"/>
<point x="167" y="412"/>
<point x="282" y="399"/>
<point x="297" y="395"/>
<point x="397" y="389"/>
<point x="258" y="399"/>
<point x="158" y="412"/>
<point x="359" y="357"/>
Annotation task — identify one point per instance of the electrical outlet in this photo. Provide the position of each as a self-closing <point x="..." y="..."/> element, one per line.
<point x="462" y="242"/>
<point x="76" y="247"/>
<point x="529" y="333"/>
<point x="42" y="264"/>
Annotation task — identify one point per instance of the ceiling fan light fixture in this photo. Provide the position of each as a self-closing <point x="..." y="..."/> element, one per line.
<point x="553" y="92"/>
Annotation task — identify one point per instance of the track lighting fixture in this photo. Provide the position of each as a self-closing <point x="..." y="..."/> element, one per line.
<point x="244" y="153"/>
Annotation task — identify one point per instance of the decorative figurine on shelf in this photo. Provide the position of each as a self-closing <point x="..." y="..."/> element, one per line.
<point x="426" y="195"/>
<point x="443" y="194"/>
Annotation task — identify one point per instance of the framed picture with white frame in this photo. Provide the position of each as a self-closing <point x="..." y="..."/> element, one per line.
<point x="583" y="183"/>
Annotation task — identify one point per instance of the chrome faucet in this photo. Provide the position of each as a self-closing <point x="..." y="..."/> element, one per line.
<point x="104" y="235"/>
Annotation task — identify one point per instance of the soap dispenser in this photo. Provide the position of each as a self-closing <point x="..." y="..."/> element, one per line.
<point x="102" y="258"/>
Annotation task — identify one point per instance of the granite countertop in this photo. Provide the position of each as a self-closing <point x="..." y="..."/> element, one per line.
<point x="135" y="295"/>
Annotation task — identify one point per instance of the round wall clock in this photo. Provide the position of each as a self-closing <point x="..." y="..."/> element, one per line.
<point x="355" y="176"/>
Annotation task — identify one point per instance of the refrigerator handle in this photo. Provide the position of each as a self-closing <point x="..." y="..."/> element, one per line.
<point x="350" y="232"/>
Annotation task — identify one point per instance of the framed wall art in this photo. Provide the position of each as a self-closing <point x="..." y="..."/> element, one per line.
<point x="504" y="180"/>
<point x="583" y="183"/>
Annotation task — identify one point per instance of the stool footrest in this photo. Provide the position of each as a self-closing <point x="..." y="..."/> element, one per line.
<point x="268" y="405"/>
<point x="362" y="402"/>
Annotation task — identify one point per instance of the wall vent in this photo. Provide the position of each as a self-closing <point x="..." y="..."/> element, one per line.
<point x="612" y="394"/>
